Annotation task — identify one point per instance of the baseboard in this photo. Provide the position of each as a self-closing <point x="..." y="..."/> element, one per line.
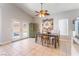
<point x="8" y="42"/>
<point x="75" y="40"/>
<point x="64" y="36"/>
<point x="3" y="43"/>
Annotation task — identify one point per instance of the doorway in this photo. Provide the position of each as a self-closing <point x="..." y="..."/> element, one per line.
<point x="63" y="26"/>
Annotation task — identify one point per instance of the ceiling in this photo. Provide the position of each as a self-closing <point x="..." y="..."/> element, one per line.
<point x="52" y="8"/>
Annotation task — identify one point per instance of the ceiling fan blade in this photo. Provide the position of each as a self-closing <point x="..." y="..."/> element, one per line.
<point x="36" y="11"/>
<point x="47" y="14"/>
<point x="36" y="14"/>
<point x="46" y="10"/>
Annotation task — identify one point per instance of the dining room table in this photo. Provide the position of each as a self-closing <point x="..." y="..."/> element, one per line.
<point x="56" y="38"/>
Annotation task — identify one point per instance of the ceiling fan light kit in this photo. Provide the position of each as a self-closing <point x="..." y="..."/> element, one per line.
<point x="42" y="12"/>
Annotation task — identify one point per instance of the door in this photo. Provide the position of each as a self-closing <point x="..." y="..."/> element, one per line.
<point x="63" y="26"/>
<point x="32" y="30"/>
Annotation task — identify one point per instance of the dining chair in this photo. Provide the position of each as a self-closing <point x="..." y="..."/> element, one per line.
<point x="57" y="33"/>
<point x="45" y="39"/>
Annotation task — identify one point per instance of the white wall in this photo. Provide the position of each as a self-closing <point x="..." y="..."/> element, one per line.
<point x="12" y="13"/>
<point x="39" y="22"/>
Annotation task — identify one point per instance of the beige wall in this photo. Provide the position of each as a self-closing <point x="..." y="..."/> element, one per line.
<point x="0" y="27"/>
<point x="11" y="13"/>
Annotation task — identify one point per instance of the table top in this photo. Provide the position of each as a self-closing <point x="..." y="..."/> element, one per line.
<point x="47" y="34"/>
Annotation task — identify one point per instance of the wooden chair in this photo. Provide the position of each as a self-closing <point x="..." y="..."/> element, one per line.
<point x="45" y="39"/>
<point x="55" y="40"/>
<point x="58" y="39"/>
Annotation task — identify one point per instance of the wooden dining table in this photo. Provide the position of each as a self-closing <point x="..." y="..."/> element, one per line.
<point x="50" y="35"/>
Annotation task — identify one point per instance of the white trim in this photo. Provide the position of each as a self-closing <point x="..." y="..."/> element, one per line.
<point x="65" y="37"/>
<point x="3" y="43"/>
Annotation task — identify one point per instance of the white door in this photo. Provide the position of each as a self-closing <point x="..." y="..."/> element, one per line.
<point x="63" y="26"/>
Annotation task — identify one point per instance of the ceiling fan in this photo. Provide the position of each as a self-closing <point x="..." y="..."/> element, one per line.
<point x="42" y="12"/>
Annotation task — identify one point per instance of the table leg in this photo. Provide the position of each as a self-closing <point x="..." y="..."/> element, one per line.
<point x="58" y="41"/>
<point x="55" y="42"/>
